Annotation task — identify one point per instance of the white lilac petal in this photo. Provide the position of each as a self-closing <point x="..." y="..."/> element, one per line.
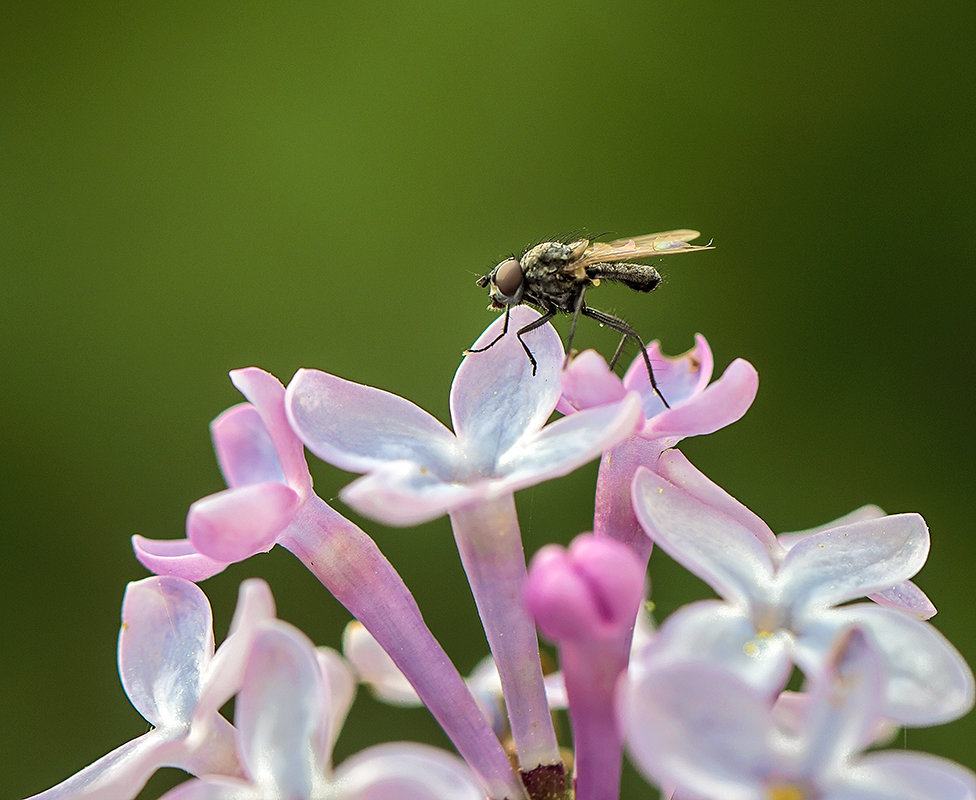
<point x="175" y="557"/>
<point x="678" y="377"/>
<point x="244" y="449"/>
<point x="494" y="396"/>
<point x="588" y="381"/>
<point x="860" y="514"/>
<point x="165" y="644"/>
<point x="914" y="776"/>
<point x="403" y="493"/>
<point x="235" y="524"/>
<point x="282" y="713"/>
<point x="712" y="545"/>
<point x="121" y="774"/>
<point x="340" y="683"/>
<point x="713" y="407"/>
<point x="677" y="469"/>
<point x="714" y="632"/>
<point x="225" y="673"/>
<point x="845" y="563"/>
<point x="360" y="428"/>
<point x="375" y="668"/>
<point x="696" y="726"/>
<point x="927" y="681"/>
<point x="907" y="597"/>
<point x="568" y="443"/>
<point x="400" y="770"/>
<point x="844" y="704"/>
<point x="216" y="788"/>
<point x="267" y="395"/>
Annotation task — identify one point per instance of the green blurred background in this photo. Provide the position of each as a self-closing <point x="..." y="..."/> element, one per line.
<point x="188" y="188"/>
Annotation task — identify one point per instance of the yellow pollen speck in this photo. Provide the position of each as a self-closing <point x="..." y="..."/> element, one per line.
<point x="821" y="546"/>
<point x="660" y="490"/>
<point x="783" y="791"/>
<point x="125" y="626"/>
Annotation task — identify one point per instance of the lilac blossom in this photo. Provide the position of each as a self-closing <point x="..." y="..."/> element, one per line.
<point x="417" y="469"/>
<point x="695" y="408"/>
<point x="782" y="607"/>
<point x="288" y="715"/>
<point x="270" y="500"/>
<point x="174" y="678"/>
<point x="703" y="729"/>
<point x="583" y="598"/>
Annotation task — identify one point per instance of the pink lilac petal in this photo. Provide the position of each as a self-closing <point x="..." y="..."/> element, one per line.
<point x="713" y="546"/>
<point x="401" y="770"/>
<point x="279" y="713"/>
<point x="710" y="408"/>
<point x="340" y="685"/>
<point x="927" y="681"/>
<point x="494" y="396"/>
<point x="833" y="566"/>
<point x="675" y="467"/>
<point x="244" y="449"/>
<point x="588" y="381"/>
<point x="235" y="524"/>
<point x="678" y="377"/>
<point x="166" y="641"/>
<point x="359" y="428"/>
<point x="265" y="393"/>
<point x="375" y="668"/>
<point x="215" y="788"/>
<point x="175" y="557"/>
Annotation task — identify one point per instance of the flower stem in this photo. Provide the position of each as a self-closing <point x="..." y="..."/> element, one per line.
<point x="351" y="567"/>
<point x="490" y="544"/>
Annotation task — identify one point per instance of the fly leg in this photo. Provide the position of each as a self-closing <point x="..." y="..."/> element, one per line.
<point x="577" y="308"/>
<point x="494" y="341"/>
<point x="617" y="324"/>
<point x="536" y="323"/>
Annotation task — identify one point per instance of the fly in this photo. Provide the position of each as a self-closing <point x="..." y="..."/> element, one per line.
<point x="554" y="277"/>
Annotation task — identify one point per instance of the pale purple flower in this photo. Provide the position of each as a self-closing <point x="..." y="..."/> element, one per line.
<point x="416" y="470"/>
<point x="583" y="598"/>
<point x="904" y="595"/>
<point x="288" y="715"/>
<point x="696" y="408"/>
<point x="174" y="678"/>
<point x="270" y="500"/>
<point x="705" y="730"/>
<point x="782" y="607"/>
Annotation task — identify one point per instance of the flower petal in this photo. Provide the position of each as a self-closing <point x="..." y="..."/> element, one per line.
<point x="714" y="546"/>
<point x="175" y="557"/>
<point x="244" y="448"/>
<point x="907" y="776"/>
<point x="375" y="667"/>
<point x="588" y="381"/>
<point x="401" y="770"/>
<point x="359" y="428"/>
<point x="267" y="395"/>
<point x="237" y="523"/>
<point x="927" y="680"/>
<point x="165" y="645"/>
<point x="714" y="407"/>
<point x="568" y="443"/>
<point x="403" y="493"/>
<point x="281" y="713"/>
<point x="696" y="726"/>
<point x="495" y="398"/>
<point x="678" y="377"/>
<point x="845" y="563"/>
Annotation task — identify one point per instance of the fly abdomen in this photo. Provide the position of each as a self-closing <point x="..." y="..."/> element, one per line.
<point x="639" y="277"/>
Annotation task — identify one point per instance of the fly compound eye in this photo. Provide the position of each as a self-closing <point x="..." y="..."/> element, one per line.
<point x="508" y="277"/>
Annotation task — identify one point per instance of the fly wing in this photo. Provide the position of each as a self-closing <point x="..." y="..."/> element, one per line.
<point x="650" y="244"/>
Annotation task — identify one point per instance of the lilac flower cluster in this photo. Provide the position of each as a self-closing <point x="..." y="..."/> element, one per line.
<point x="700" y="704"/>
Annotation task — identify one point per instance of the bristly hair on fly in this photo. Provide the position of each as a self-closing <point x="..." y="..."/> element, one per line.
<point x="554" y="276"/>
